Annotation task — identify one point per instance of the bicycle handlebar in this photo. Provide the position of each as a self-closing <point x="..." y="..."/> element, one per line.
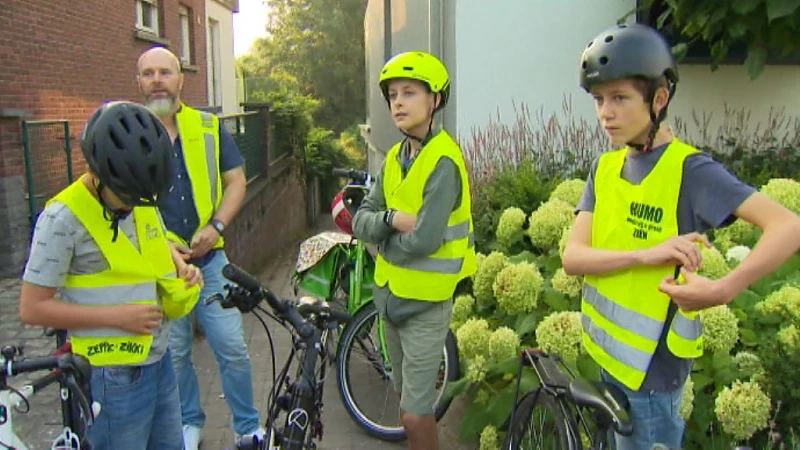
<point x="284" y="308"/>
<point x="359" y="176"/>
<point x="74" y="369"/>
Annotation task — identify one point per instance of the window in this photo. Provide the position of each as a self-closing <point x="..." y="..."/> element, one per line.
<point x="185" y="41"/>
<point x="147" y="16"/>
<point x="699" y="52"/>
<point x="214" y="66"/>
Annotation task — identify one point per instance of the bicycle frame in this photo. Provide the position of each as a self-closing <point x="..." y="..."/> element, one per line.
<point x="303" y="408"/>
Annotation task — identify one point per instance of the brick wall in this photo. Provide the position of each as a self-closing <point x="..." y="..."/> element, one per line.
<point x="60" y="60"/>
<point x="273" y="214"/>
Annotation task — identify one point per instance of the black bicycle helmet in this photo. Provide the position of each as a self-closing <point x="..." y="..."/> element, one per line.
<point x="631" y="51"/>
<point x="627" y="51"/>
<point x="128" y="149"/>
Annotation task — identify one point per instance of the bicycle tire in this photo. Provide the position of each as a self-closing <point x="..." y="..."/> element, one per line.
<point x="346" y="341"/>
<point x="562" y="421"/>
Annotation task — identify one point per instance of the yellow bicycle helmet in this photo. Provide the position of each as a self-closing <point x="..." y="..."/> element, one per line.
<point x="420" y="66"/>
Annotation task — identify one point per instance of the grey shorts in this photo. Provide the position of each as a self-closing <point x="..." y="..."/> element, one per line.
<point x="415" y="348"/>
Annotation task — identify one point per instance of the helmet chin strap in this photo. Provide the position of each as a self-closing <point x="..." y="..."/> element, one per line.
<point x="109" y="213"/>
<point x="415" y="138"/>
<point x="655" y="120"/>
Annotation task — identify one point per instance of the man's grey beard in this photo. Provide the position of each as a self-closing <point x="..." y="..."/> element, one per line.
<point x="161" y="107"/>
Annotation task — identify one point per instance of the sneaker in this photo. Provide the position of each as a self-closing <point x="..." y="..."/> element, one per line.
<point x="258" y="434"/>
<point x="192" y="436"/>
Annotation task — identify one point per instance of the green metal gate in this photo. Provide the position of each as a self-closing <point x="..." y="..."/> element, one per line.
<point x="47" y="156"/>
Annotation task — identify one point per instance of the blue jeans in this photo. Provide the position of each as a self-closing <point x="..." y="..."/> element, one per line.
<point x="223" y="330"/>
<point x="139" y="408"/>
<point x="654" y="416"/>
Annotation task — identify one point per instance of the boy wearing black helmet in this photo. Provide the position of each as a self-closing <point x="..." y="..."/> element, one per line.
<point x="101" y="267"/>
<point x="638" y="229"/>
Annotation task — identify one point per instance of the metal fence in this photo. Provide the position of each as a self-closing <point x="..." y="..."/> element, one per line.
<point x="47" y="155"/>
<point x="247" y="130"/>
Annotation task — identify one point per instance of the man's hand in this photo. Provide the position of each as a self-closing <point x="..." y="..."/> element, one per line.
<point x="203" y="240"/>
<point x="403" y="222"/>
<point x="192" y="275"/>
<point x="677" y="250"/>
<point x="695" y="292"/>
<point x="138" y="318"/>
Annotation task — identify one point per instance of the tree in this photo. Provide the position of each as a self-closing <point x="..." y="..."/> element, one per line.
<point x="321" y="44"/>
<point x="762" y="25"/>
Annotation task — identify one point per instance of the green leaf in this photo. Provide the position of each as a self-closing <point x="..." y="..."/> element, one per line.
<point x="679" y="51"/>
<point x="499" y="408"/>
<point x="473" y="421"/>
<point x="455" y="388"/>
<point x="781" y="8"/>
<point x="701" y="380"/>
<point x="527" y="323"/>
<point x="525" y="256"/>
<point x="555" y="299"/>
<point x="748" y="337"/>
<point x="510" y="365"/>
<point x="744" y="7"/>
<point x="737" y="29"/>
<point x="588" y="368"/>
<point x="754" y="63"/>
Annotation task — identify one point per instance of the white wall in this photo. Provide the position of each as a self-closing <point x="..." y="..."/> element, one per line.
<point x="224" y="16"/>
<point x="528" y="51"/>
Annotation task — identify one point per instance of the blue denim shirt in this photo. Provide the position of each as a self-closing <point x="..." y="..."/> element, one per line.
<point x="177" y="206"/>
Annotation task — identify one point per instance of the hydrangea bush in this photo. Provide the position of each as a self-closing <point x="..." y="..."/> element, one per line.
<point x="743" y="389"/>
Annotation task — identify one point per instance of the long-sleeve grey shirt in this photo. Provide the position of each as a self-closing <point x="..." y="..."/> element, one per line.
<point x="441" y="196"/>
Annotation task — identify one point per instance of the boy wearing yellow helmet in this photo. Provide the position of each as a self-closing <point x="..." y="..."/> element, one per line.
<point x="419" y="213"/>
<point x="638" y="227"/>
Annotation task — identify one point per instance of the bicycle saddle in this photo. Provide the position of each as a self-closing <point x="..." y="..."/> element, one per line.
<point x="605" y="399"/>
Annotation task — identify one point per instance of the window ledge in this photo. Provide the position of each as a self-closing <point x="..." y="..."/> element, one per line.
<point x="149" y="36"/>
<point x="189" y="67"/>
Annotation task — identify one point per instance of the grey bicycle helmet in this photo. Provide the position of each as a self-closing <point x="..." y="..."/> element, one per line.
<point x="627" y="51"/>
<point x="128" y="149"/>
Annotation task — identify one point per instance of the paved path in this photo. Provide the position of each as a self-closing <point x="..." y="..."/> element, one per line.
<point x="39" y="426"/>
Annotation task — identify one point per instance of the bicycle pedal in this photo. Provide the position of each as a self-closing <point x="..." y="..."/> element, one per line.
<point x="318" y="427"/>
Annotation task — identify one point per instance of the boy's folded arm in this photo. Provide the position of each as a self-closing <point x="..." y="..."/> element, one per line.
<point x="368" y="224"/>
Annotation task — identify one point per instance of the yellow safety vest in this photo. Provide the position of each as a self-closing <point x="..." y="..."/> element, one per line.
<point x="433" y="277"/>
<point x="144" y="276"/>
<point x="199" y="133"/>
<point x="624" y="312"/>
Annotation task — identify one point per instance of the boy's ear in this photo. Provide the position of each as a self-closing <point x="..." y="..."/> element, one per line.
<point x="660" y="100"/>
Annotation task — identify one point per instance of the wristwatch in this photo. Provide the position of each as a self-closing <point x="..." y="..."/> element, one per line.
<point x="218" y="225"/>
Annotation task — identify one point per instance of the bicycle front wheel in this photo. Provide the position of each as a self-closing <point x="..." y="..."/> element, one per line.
<point x="542" y="421"/>
<point x="364" y="377"/>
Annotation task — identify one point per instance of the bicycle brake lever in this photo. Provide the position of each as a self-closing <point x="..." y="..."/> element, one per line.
<point x="83" y="402"/>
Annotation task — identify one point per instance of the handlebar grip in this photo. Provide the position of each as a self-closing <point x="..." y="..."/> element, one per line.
<point x="241" y="277"/>
<point x="339" y="172"/>
<point x="32" y="365"/>
<point x="341" y="316"/>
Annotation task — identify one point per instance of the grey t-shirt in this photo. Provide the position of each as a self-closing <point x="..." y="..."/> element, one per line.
<point x="61" y="245"/>
<point x="709" y="195"/>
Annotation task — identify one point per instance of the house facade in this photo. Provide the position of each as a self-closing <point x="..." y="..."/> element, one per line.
<point x="505" y="54"/>
<point x="61" y="61"/>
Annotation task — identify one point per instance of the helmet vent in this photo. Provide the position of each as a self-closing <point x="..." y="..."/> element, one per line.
<point x="603" y="60"/>
<point x="408" y="68"/>
<point x="115" y="139"/>
<point x="609" y="38"/>
<point x="144" y="146"/>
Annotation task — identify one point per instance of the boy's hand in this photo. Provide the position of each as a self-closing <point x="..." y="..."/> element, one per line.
<point x="185" y="253"/>
<point x="138" y="318"/>
<point x="695" y="292"/>
<point x="677" y="250"/>
<point x="191" y="274"/>
<point x="403" y="222"/>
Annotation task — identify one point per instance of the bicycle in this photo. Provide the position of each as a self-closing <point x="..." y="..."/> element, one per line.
<point x="309" y="321"/>
<point x="73" y="373"/>
<point x="342" y="273"/>
<point x="568" y="399"/>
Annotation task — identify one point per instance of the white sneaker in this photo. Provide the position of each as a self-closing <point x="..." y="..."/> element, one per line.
<point x="192" y="437"/>
<point x="259" y="433"/>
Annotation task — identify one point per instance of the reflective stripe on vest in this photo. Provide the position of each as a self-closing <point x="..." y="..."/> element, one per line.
<point x="624" y="312"/>
<point x="432" y="277"/>
<point x="133" y="276"/>
<point x="199" y="132"/>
